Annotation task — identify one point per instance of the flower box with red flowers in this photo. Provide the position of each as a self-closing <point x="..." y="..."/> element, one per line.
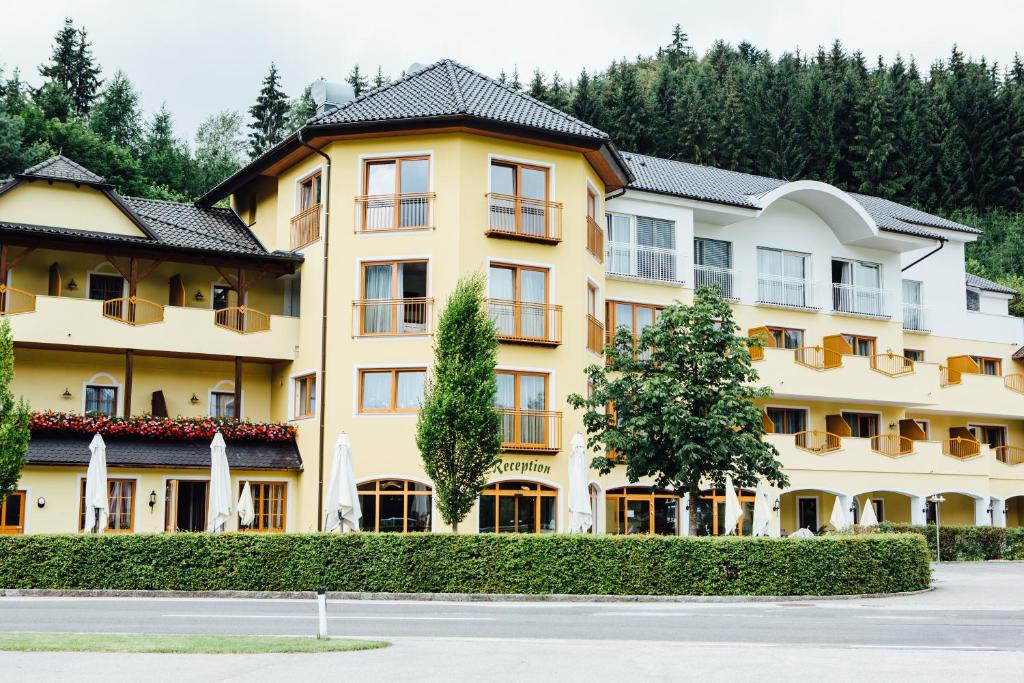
<point x="167" y="428"/>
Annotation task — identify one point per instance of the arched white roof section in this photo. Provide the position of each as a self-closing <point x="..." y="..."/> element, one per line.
<point x="841" y="212"/>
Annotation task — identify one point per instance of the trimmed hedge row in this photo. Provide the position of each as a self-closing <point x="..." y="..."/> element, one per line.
<point x="478" y="563"/>
<point x="968" y="543"/>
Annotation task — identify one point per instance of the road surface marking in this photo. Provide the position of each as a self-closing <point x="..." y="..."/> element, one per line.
<point x="329" y="616"/>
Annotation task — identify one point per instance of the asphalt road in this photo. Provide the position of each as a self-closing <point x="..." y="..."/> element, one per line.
<point x="971" y="626"/>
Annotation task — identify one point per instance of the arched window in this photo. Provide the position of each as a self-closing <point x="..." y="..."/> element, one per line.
<point x="642" y="510"/>
<point x="395" y="505"/>
<point x="710" y="511"/>
<point x="518" y="507"/>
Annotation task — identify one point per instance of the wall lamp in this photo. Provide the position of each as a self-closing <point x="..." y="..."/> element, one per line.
<point x="67" y="394"/>
<point x="194" y="400"/>
<point x="41" y="502"/>
<point x="72" y="285"/>
<point x="152" y="499"/>
<point x="778" y="505"/>
<point x="199" y="296"/>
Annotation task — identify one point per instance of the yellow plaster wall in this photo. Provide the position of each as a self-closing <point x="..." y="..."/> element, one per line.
<point x="64" y="205"/>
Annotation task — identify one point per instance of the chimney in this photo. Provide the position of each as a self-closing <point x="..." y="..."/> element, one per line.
<point x="328" y="96"/>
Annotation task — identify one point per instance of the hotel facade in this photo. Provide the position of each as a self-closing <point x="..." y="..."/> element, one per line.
<point x="313" y="300"/>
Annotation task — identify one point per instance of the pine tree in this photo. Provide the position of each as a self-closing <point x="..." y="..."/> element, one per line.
<point x="667" y="122"/>
<point x="72" y="69"/>
<point x="558" y="93"/>
<point x="116" y="116"/>
<point x="62" y="67"/>
<point x="538" y="89"/>
<point x="630" y="113"/>
<point x="269" y="115"/>
<point x="693" y="132"/>
<point x="379" y="79"/>
<point x="678" y="51"/>
<point x="86" y="76"/>
<point x="586" y="102"/>
<point x="358" y="81"/>
<point x="515" y="84"/>
<point x="873" y="145"/>
<point x="732" y="139"/>
<point x="165" y="158"/>
<point x="14" y="418"/>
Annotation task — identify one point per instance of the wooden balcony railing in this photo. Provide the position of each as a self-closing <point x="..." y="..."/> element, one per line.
<point x="133" y="311"/>
<point x="386" y="212"/>
<point x="522" y="218"/>
<point x="892" y="445"/>
<point x="960" y="447"/>
<point x="817" y="441"/>
<point x="818" y="357"/>
<point x="531" y="431"/>
<point x="595" y="239"/>
<point x="242" y="320"/>
<point x="892" y="364"/>
<point x="526" y="323"/>
<point x="1010" y="455"/>
<point x="305" y="227"/>
<point x="392" y="317"/>
<point x="14" y="301"/>
<point x="595" y="335"/>
<point x="1014" y="382"/>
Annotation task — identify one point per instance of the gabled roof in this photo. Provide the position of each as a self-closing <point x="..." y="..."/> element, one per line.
<point x="59" y="167"/>
<point x="704" y="183"/>
<point x="987" y="285"/>
<point x="188" y="225"/>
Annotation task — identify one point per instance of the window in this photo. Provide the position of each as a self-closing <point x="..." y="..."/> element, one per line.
<point x="105" y="287"/>
<point x="292" y="295"/>
<point x="973" y="300"/>
<point x="518" y="507"/>
<point x="916" y="355"/>
<point x="807" y="513"/>
<point x="396" y="193"/>
<point x="185" y="505"/>
<point x="786" y="337"/>
<point x="642" y="510"/>
<point x="862" y="425"/>
<point x="523" y="400"/>
<point x="309" y="192"/>
<point x="595" y="235"/>
<point x="394" y="505"/>
<point x="913" y="309"/>
<point x="223" y="297"/>
<point x="783" y="278"/>
<point x="712" y="265"/>
<point x="305" y="396"/>
<point x="857" y="287"/>
<point x="519" y="301"/>
<point x="401" y="287"/>
<point x="391" y="391"/>
<point x="269" y="502"/>
<point x="120" y="505"/>
<point x="100" y="400"/>
<point x="634" y="317"/>
<point x="642" y="247"/>
<point x="862" y="346"/>
<point x="925" y="427"/>
<point x="12" y="514"/>
<point x="222" y="404"/>
<point x="932" y="513"/>
<point x="788" y="420"/>
<point x="989" y="366"/>
<point x="519" y="200"/>
<point x="993" y="435"/>
<point x="710" y="511"/>
<point x="595" y="330"/>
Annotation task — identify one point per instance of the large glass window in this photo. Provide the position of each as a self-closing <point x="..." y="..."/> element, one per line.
<point x="634" y="317"/>
<point x="305" y="396"/>
<point x="120" y="505"/>
<point x="396" y="193"/>
<point x="100" y="400"/>
<point x="394" y="505"/>
<point x="710" y="511"/>
<point x="518" y="507"/>
<point x="712" y="265"/>
<point x="783" y="278"/>
<point x="12" y="514"/>
<point x="642" y="247"/>
<point x="642" y="510"/>
<point x="309" y="192"/>
<point x="222" y="404"/>
<point x="391" y="390"/>
<point x="518" y="301"/>
<point x="786" y="337"/>
<point x="989" y="366"/>
<point x="401" y="289"/>
<point x="270" y="503"/>
<point x="519" y="202"/>
<point x="862" y="425"/>
<point x="857" y="287"/>
<point x="105" y="287"/>
<point x="523" y="400"/>
<point x="861" y="345"/>
<point x="993" y="435"/>
<point x="787" y="420"/>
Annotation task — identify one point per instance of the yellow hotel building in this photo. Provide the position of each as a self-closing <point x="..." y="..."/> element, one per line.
<point x="313" y="299"/>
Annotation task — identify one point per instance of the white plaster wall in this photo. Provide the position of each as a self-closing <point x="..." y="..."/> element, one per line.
<point x="667" y="208"/>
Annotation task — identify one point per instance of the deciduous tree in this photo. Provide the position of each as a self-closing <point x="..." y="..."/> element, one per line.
<point x="14" y="418"/>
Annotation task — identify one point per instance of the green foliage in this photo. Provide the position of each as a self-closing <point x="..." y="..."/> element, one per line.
<point x="358" y="80"/>
<point x="459" y="430"/>
<point x="683" y="402"/>
<point x="72" y="69"/>
<point x="269" y="114"/>
<point x="14" y="418"/>
<point x="967" y="543"/>
<point x="220" y="148"/>
<point x="116" y="117"/>
<point x="477" y="563"/>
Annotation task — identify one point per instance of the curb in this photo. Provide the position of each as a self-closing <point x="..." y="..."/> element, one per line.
<point x="438" y="597"/>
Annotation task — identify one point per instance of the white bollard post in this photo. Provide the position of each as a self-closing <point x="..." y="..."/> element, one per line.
<point x="321" y="603"/>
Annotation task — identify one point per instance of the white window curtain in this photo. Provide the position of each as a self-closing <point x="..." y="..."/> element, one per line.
<point x="376" y="390"/>
<point x="505" y="398"/>
<point x="502" y="287"/>
<point x="782" y="277"/>
<point x="619" y="247"/>
<point x="624" y="317"/>
<point x="380" y="184"/>
<point x="533" y="291"/>
<point x="377" y="317"/>
<point x="532" y="397"/>
<point x="410" y="389"/>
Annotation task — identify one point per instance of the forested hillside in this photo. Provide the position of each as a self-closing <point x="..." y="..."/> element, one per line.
<point x="947" y="137"/>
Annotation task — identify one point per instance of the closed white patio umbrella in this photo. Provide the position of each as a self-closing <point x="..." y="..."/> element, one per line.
<point x="868" y="517"/>
<point x="762" y="523"/>
<point x="246" y="510"/>
<point x="220" y="485"/>
<point x="96" y="510"/>
<point x="838" y="519"/>
<point x="733" y="510"/>
<point x="342" y="504"/>
<point x="581" y="516"/>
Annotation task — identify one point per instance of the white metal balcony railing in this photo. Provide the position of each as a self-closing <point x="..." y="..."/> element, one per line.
<point x="779" y="290"/>
<point x="646" y="263"/>
<point x="723" y="279"/>
<point x="914" y="318"/>
<point x="859" y="300"/>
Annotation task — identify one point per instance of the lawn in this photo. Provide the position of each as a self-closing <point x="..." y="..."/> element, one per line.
<point x="173" y="643"/>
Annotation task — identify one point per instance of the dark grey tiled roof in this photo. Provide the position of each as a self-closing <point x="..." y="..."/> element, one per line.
<point x="248" y="455"/>
<point x="447" y="88"/>
<point x="188" y="225"/>
<point x="59" y="167"/>
<point x="705" y="183"/>
<point x="989" y="286"/>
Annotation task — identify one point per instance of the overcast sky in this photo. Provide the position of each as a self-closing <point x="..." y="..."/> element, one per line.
<point x="204" y="56"/>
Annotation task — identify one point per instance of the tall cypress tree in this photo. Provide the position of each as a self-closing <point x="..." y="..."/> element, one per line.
<point x="269" y="115"/>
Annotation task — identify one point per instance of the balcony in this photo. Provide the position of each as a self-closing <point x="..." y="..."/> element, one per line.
<point x="1009" y="455"/>
<point x="866" y="301"/>
<point x="242" y="320"/>
<point x="522" y="218"/>
<point x="892" y="445"/>
<point x="961" y="448"/>
<point x="392" y="317"/>
<point x="305" y="227"/>
<point x="531" y="431"/>
<point x="643" y="262"/>
<point x="595" y="239"/>
<point x="394" y="212"/>
<point x="595" y="335"/>
<point x="817" y="358"/>
<point x="133" y="311"/>
<point x="14" y="301"/>
<point x="892" y="364"/>
<point x="915" y="318"/>
<point x="786" y="292"/>
<point x="817" y="441"/>
<point x="522" y="322"/>
<point x="722" y="279"/>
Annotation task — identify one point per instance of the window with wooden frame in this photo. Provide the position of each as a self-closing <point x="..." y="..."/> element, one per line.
<point x="861" y="345"/>
<point x="710" y="511"/>
<point x="595" y="328"/>
<point x="786" y="337"/>
<point x="595" y="233"/>
<point x="787" y="420"/>
<point x="393" y="298"/>
<point x="916" y="355"/>
<point x="391" y="390"/>
<point x="101" y="400"/>
<point x="12" y="514"/>
<point x="993" y="435"/>
<point x="862" y="425"/>
<point x="518" y="507"/>
<point x="305" y="396"/>
<point x="396" y="194"/>
<point x="309" y="191"/>
<point x="519" y="202"/>
<point x="120" y="505"/>
<point x="518" y="303"/>
<point x="634" y="317"/>
<point x="522" y="398"/>
<point x="989" y="366"/>
<point x="222" y="404"/>
<point x="642" y="510"/>
<point x="305" y="224"/>
<point x="395" y="505"/>
<point x="270" y="504"/>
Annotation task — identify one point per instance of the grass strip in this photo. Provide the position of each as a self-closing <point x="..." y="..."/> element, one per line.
<point x="176" y="643"/>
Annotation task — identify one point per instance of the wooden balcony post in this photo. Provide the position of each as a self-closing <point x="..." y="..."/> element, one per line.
<point x="129" y="373"/>
<point x="238" y="388"/>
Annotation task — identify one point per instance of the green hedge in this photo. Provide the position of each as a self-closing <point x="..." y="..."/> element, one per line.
<point x="968" y="543"/>
<point x="478" y="563"/>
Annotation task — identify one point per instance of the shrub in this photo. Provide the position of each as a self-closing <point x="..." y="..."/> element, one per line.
<point x="968" y="543"/>
<point x="479" y="563"/>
